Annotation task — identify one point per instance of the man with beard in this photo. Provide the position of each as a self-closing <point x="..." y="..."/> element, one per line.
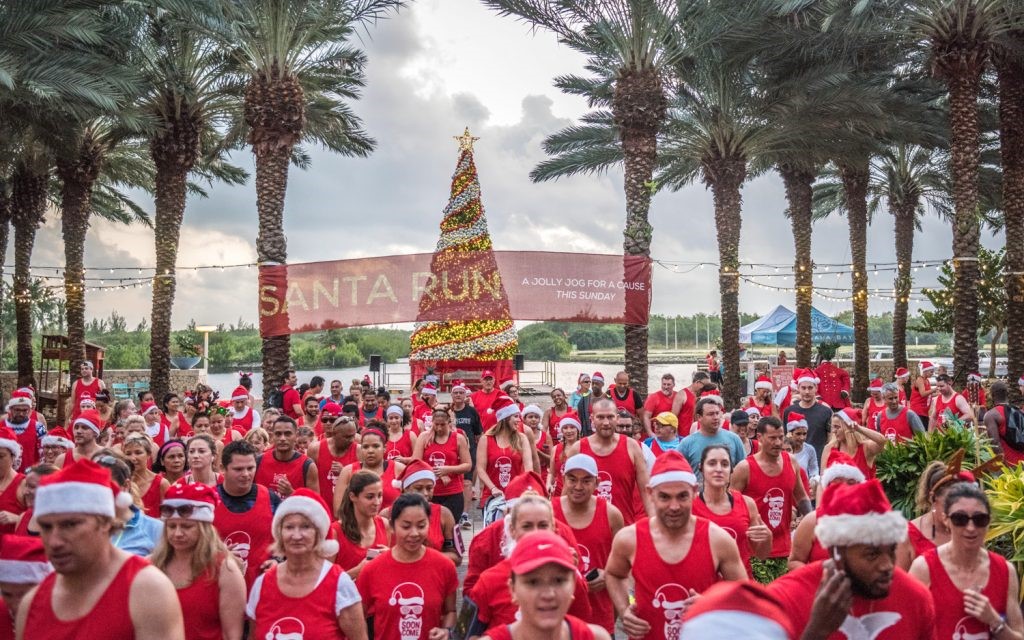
<point x="96" y="590"/>
<point x="621" y="465"/>
<point x="370" y="409"/>
<point x="86" y="433"/>
<point x="310" y="414"/>
<point x="335" y="450"/>
<point x="672" y="557"/>
<point x="30" y="436"/>
<point x="861" y="593"/>
<point x="771" y="477"/>
<point x="285" y="469"/>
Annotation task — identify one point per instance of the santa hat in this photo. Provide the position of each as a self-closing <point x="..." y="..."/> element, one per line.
<point x="570" y="420"/>
<point x="974" y="377"/>
<point x="458" y="385"/>
<point x="308" y="503"/>
<point x="534" y="409"/>
<point x="597" y="377"/>
<point x="849" y="415"/>
<point x="28" y="392"/>
<point x="9" y="441"/>
<point x="529" y="481"/>
<point x="875" y="386"/>
<point x="739" y="610"/>
<point x="902" y="373"/>
<point x="807" y="375"/>
<point x="858" y="514"/>
<point x="764" y="382"/>
<point x="506" y="384"/>
<point x="394" y="409"/>
<point x="19" y="398"/>
<point x="671" y="466"/>
<point x="23" y="560"/>
<point x="414" y="472"/>
<point x="539" y="548"/>
<point x="580" y="462"/>
<point x="240" y="393"/>
<point x="840" y="466"/>
<point x="148" y="407"/>
<point x="796" y="421"/>
<point x="202" y="498"/>
<point x="57" y="437"/>
<point x="80" y="487"/>
<point x="331" y="410"/>
<point x="715" y="396"/>
<point x="925" y="366"/>
<point x="90" y="418"/>
<point x="86" y="399"/>
<point x="753" y="411"/>
<point x="428" y="390"/>
<point x="504" y="407"/>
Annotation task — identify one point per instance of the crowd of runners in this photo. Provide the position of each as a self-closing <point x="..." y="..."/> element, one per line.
<point x="341" y="511"/>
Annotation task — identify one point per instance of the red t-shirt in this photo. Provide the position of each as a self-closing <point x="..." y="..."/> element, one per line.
<point x="494" y="599"/>
<point x="907" y="613"/>
<point x="658" y="402"/>
<point x="406" y="599"/>
<point x="482" y="401"/>
<point x="289" y="399"/>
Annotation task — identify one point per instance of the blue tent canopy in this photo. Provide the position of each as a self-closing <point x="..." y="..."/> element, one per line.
<point x="779" y="328"/>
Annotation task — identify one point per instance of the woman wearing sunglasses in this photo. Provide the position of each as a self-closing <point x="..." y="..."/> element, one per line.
<point x="209" y="582"/>
<point x="975" y="590"/>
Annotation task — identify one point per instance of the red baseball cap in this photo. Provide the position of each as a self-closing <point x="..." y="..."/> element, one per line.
<point x="539" y="548"/>
<point x="487" y="373"/>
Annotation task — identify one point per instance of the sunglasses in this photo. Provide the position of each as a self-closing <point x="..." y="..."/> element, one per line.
<point x="960" y="519"/>
<point x="182" y="511"/>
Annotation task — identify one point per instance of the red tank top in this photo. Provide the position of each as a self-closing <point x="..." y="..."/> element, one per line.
<point x="183" y="426"/>
<point x="1010" y="455"/>
<point x="594" y="542"/>
<point x="30" y="446"/>
<point x="9" y="502"/>
<point x="377" y="416"/>
<point x="951" y="621"/>
<point x="861" y="460"/>
<point x="921" y="544"/>
<point x="895" y="429"/>
<point x="435" y="534"/>
<point x="151" y="499"/>
<point x="351" y="553"/>
<point x="918" y="402"/>
<point x="661" y="588"/>
<point x="200" y="607"/>
<point x="107" y="619"/>
<point x="445" y="454"/>
<point x="389" y="492"/>
<point x="82" y="389"/>
<point x="162" y="434"/>
<point x="578" y="630"/>
<point x="628" y="403"/>
<point x="245" y="423"/>
<point x="247" y="535"/>
<point x="398" y="448"/>
<point x="616" y="477"/>
<point x="21" y="529"/>
<point x="328" y="479"/>
<point x="558" y="460"/>
<point x="735" y="523"/>
<point x="870" y="411"/>
<point x="553" y="419"/>
<point x="941" y="405"/>
<point x="503" y="463"/>
<point x="309" y="616"/>
<point x="269" y="469"/>
<point x="774" y="499"/>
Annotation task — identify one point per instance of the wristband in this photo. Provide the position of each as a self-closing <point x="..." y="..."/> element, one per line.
<point x="996" y="630"/>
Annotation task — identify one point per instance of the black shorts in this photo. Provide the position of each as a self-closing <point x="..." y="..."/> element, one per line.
<point x="454" y="502"/>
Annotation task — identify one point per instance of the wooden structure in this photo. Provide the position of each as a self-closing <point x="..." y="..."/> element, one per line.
<point x="55" y="376"/>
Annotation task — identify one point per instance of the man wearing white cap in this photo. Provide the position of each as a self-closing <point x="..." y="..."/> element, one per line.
<point x="86" y="433"/>
<point x="30" y="433"/>
<point x="817" y="415"/>
<point x="98" y="590"/>
<point x="672" y="557"/>
<point x="859" y="593"/>
<point x="594" y="523"/>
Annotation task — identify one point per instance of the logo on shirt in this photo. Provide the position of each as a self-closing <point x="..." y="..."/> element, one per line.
<point x="963" y="628"/>
<point x="891" y="434"/>
<point x="604" y="485"/>
<point x="437" y="459"/>
<point x="239" y="543"/>
<point x="671" y="598"/>
<point x="869" y="626"/>
<point x="776" y="501"/>
<point x="393" y="453"/>
<point x="504" y="466"/>
<point x="286" y="629"/>
<point x="731" y="532"/>
<point x="408" y="597"/>
<point x="584" y="557"/>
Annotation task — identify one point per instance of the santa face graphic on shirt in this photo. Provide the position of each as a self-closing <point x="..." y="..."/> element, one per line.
<point x="409" y="598"/>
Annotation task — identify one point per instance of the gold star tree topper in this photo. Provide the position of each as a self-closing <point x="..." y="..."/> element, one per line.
<point x="465" y="140"/>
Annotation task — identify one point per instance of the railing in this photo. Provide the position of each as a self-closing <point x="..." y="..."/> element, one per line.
<point x="400" y="378"/>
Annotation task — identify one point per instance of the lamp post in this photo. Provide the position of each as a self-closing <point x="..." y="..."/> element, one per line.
<point x="206" y="330"/>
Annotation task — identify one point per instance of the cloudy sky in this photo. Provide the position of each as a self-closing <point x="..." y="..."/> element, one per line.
<point x="440" y="66"/>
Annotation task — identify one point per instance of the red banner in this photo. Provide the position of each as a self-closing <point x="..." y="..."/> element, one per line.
<point x="570" y="287"/>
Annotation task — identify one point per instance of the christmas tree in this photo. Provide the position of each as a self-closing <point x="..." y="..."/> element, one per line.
<point x="465" y="271"/>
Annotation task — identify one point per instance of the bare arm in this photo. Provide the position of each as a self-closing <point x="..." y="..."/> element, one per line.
<point x="341" y="488"/>
<point x="965" y="409"/>
<point x="152" y="604"/>
<point x="529" y="452"/>
<point x="1014" y="619"/>
<point x="448" y="532"/>
<point x="992" y="424"/>
<point x="803" y="542"/>
<point x="22" y="615"/>
<point x="727" y="555"/>
<point x="312" y="478"/>
<point x="642" y="474"/>
<point x="800" y="497"/>
<point x="758" y="533"/>
<point x="232" y="600"/>
<point x="352" y="622"/>
<point x="419" y="446"/>
<point x="741" y="475"/>
<point x="481" y="466"/>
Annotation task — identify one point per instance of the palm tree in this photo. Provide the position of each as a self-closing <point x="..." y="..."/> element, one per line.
<point x="632" y="46"/>
<point x="300" y="72"/>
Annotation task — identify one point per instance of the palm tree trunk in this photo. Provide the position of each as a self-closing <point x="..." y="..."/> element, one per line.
<point x="638" y="106"/>
<point x="175" y="149"/>
<point x="855" y="189"/>
<point x="903" y="214"/>
<point x="1011" y="139"/>
<point x="78" y="175"/>
<point x="799" y="194"/>
<point x="28" y="204"/>
<point x="726" y="176"/>
<point x="964" y="159"/>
